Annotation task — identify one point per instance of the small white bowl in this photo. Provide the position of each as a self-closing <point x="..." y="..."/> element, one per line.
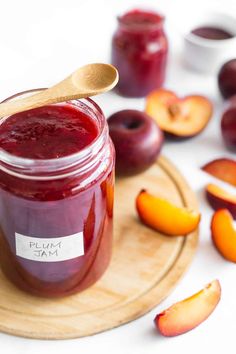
<point x="208" y="55"/>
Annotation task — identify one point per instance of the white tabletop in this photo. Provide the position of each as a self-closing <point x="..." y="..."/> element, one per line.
<point x="43" y="41"/>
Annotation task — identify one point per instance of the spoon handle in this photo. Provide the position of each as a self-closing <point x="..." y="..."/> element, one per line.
<point x="47" y="96"/>
<point x="60" y="92"/>
<point x="12" y="107"/>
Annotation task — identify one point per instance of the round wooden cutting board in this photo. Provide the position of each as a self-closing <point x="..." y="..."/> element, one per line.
<point x="145" y="267"/>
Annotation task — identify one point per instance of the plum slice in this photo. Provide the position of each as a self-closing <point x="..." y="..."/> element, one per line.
<point x="218" y="198"/>
<point x="223" y="169"/>
<point x="165" y="217"/>
<point x="189" y="313"/>
<point x="223" y="234"/>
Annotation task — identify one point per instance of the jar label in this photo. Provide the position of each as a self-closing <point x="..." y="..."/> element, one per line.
<point x="50" y="249"/>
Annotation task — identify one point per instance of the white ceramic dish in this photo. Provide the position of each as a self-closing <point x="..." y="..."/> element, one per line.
<point x="207" y="55"/>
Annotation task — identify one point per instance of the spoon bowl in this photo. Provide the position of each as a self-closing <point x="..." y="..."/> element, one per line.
<point x="95" y="78"/>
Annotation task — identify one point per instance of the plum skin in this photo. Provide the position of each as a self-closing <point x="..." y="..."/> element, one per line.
<point x="137" y="139"/>
<point x="227" y="79"/>
<point x="228" y="128"/>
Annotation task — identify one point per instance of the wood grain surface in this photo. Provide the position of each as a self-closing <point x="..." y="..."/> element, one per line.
<point x="145" y="267"/>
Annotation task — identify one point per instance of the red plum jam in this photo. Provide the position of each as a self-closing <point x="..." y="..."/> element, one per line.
<point x="56" y="197"/>
<point x="139" y="51"/>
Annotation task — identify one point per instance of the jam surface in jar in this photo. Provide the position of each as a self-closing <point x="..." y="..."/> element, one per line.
<point x="56" y="225"/>
<point x="47" y="132"/>
<point x="139" y="51"/>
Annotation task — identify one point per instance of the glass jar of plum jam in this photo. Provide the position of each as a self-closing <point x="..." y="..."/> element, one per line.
<point x="139" y="52"/>
<point x="56" y="197"/>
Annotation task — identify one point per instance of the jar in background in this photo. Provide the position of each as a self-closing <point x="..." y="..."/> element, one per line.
<point x="139" y="52"/>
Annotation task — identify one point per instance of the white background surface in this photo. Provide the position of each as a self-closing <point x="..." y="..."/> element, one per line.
<point x="43" y="41"/>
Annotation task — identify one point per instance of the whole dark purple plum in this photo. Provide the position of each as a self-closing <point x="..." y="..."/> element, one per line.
<point x="228" y="127"/>
<point x="227" y="79"/>
<point x="137" y="140"/>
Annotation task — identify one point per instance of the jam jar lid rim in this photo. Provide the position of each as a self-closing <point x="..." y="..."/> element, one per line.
<point x="16" y="161"/>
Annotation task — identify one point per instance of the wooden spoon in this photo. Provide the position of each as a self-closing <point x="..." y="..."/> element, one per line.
<point x="89" y="80"/>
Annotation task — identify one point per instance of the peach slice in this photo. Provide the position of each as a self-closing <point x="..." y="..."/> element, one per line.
<point x="224" y="169"/>
<point x="163" y="216"/>
<point x="189" y="313"/>
<point x="218" y="198"/>
<point x="223" y="234"/>
<point x="179" y="117"/>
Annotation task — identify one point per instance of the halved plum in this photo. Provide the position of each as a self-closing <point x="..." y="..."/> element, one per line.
<point x="179" y="117"/>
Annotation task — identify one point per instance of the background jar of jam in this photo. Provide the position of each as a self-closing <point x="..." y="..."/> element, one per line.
<point x="56" y="197"/>
<point x="139" y="52"/>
